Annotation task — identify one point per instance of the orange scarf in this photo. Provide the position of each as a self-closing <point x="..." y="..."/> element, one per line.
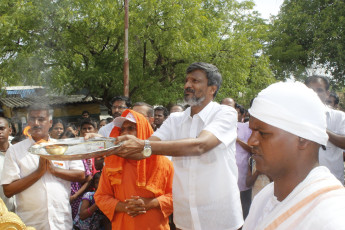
<point x="150" y="171"/>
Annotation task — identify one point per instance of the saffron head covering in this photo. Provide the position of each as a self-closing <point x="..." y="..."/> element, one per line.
<point x="152" y="171"/>
<point x="293" y="107"/>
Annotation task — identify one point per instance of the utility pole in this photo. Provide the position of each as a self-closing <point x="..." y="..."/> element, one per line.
<point x="126" y="60"/>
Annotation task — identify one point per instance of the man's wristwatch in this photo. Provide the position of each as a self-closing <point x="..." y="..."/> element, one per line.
<point x="147" y="151"/>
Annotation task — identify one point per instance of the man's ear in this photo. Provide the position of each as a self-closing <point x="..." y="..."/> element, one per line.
<point x="213" y="89"/>
<point x="303" y="143"/>
<point x="151" y="120"/>
<point x="51" y="123"/>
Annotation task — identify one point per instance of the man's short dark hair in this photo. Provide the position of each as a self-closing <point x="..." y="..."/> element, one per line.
<point x="241" y="108"/>
<point x="72" y="126"/>
<point x="110" y="119"/>
<point x="85" y="111"/>
<point x="88" y="121"/>
<point x="41" y="106"/>
<point x="161" y="108"/>
<point x="336" y="98"/>
<point x="122" y="98"/>
<point x="17" y="139"/>
<point x="149" y="111"/>
<point x="314" y="78"/>
<point x="212" y="73"/>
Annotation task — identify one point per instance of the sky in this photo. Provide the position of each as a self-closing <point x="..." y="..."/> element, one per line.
<point x="268" y="7"/>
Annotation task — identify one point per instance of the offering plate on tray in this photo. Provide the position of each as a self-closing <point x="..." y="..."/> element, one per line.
<point x="74" y="148"/>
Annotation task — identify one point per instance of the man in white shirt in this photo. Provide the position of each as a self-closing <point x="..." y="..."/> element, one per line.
<point x="42" y="187"/>
<point x="5" y="131"/>
<point x="288" y="123"/>
<point x="202" y="142"/>
<point x="118" y="105"/>
<point x="332" y="155"/>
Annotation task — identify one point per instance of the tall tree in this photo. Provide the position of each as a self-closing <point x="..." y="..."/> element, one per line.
<point x="71" y="45"/>
<point x="309" y="33"/>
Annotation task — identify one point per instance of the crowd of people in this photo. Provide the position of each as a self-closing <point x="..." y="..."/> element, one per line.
<point x="207" y="165"/>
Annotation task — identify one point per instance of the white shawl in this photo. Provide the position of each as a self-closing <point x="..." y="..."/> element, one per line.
<point x="318" y="202"/>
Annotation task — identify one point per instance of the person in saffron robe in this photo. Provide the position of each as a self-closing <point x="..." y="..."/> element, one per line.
<point x="135" y="194"/>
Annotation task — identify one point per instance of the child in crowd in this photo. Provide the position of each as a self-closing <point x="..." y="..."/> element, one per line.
<point x="102" y="123"/>
<point x="88" y="125"/>
<point x="72" y="128"/>
<point x="89" y="216"/>
<point x="78" y="189"/>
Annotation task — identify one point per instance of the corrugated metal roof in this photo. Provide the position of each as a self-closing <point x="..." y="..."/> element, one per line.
<point x="22" y="87"/>
<point x="21" y="92"/>
<point x="17" y="102"/>
<point x="24" y="91"/>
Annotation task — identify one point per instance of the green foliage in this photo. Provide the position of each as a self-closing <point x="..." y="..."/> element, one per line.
<point x="307" y="33"/>
<point x="74" y="45"/>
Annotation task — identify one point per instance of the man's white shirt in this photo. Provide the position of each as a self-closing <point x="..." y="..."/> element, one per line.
<point x="45" y="204"/>
<point x="205" y="191"/>
<point x="332" y="157"/>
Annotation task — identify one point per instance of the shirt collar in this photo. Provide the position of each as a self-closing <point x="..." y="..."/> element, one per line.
<point x="202" y="114"/>
<point x="206" y="111"/>
<point x="328" y="109"/>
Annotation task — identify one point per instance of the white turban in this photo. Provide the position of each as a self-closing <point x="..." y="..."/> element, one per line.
<point x="293" y="107"/>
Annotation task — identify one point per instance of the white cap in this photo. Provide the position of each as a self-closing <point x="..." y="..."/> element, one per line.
<point x="119" y="120"/>
<point x="293" y="107"/>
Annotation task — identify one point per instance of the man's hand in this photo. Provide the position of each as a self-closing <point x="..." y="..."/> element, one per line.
<point x="140" y="205"/>
<point x="42" y="166"/>
<point x="130" y="148"/>
<point x="51" y="168"/>
<point x="91" y="135"/>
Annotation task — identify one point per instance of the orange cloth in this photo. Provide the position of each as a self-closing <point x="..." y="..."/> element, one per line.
<point x="149" y="178"/>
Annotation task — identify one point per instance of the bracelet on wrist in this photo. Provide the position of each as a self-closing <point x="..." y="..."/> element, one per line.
<point x="88" y="210"/>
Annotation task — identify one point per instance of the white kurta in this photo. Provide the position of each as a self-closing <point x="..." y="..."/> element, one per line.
<point x="325" y="212"/>
<point x="205" y="191"/>
<point x="45" y="204"/>
<point x="332" y="157"/>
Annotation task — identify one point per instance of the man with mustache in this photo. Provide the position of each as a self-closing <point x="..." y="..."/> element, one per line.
<point x="288" y="123"/>
<point x="118" y="105"/>
<point x="202" y="142"/>
<point x="332" y="155"/>
<point x="42" y="187"/>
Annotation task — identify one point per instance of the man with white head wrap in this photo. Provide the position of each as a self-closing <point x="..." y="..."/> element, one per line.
<point x="288" y="125"/>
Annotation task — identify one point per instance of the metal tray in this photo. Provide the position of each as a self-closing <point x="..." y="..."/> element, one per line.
<point x="74" y="148"/>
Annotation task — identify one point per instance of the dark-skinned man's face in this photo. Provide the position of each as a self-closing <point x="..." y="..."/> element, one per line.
<point x="159" y="117"/>
<point x="272" y="148"/>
